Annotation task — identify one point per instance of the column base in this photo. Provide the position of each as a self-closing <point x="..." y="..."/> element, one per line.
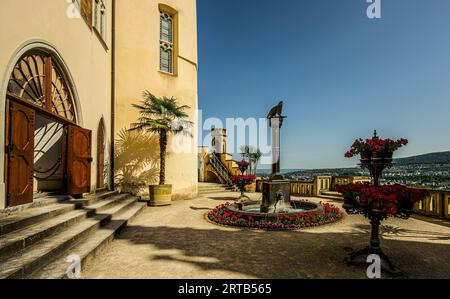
<point x="276" y="177"/>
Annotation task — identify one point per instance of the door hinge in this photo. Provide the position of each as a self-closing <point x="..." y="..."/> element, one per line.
<point x="8" y="149"/>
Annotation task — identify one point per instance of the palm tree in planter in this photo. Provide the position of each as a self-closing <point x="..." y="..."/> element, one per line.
<point x="161" y="116"/>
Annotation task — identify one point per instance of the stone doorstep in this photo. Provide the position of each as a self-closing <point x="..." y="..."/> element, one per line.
<point x="91" y="247"/>
<point x="20" y="239"/>
<point x="32" y="258"/>
<point x="19" y="220"/>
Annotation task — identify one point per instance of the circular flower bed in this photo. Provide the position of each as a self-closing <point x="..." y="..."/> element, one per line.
<point x="225" y="216"/>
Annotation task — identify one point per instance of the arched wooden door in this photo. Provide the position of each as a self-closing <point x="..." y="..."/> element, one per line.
<point x="79" y="160"/>
<point x="19" y="154"/>
<point x="101" y="155"/>
<point x="38" y="86"/>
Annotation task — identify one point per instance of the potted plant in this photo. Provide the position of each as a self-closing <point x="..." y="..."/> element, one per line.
<point x="375" y="149"/>
<point x="377" y="202"/>
<point x="253" y="155"/>
<point x="161" y="116"/>
<point x="243" y="179"/>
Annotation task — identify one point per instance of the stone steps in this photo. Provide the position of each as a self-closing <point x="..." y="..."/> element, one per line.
<point x="27" y="236"/>
<point x="48" y="209"/>
<point x="209" y="188"/>
<point x="50" y="232"/>
<point x="331" y="195"/>
<point x="90" y="248"/>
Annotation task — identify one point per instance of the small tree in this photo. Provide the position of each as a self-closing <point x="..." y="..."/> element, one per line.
<point x="253" y="155"/>
<point x="255" y="158"/>
<point x="162" y="116"/>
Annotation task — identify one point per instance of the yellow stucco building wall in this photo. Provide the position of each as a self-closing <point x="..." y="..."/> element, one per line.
<point x="137" y="69"/>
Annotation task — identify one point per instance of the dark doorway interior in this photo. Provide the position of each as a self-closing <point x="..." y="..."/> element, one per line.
<point x="49" y="155"/>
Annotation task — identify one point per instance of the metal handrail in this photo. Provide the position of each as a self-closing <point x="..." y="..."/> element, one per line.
<point x="220" y="168"/>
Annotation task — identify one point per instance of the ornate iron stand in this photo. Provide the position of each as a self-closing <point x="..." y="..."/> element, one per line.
<point x="376" y="166"/>
<point x="360" y="257"/>
<point x="243" y="168"/>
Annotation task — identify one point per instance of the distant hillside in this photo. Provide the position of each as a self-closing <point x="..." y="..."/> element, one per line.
<point x="433" y="158"/>
<point x="427" y="159"/>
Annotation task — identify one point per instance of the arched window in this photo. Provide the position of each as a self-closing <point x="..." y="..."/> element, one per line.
<point x="36" y="78"/>
<point x="168" y="23"/>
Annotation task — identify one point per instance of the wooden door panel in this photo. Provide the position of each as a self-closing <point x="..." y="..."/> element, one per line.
<point x="79" y="160"/>
<point x="20" y="145"/>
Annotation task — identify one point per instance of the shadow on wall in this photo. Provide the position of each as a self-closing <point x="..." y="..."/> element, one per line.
<point x="137" y="161"/>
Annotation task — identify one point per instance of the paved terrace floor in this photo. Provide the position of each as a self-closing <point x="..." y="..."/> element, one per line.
<point x="177" y="242"/>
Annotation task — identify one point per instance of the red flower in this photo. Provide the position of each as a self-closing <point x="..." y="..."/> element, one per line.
<point x="239" y="178"/>
<point x="375" y="145"/>
<point x="386" y="198"/>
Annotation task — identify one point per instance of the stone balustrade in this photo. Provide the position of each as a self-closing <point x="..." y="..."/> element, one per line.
<point x="437" y="204"/>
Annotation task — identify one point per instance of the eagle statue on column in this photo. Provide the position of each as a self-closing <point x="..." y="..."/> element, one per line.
<point x="276" y="112"/>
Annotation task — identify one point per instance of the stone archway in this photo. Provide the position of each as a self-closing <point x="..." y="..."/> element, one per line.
<point x="46" y="150"/>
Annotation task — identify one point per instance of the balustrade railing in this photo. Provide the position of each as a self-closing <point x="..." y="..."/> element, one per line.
<point x="437" y="204"/>
<point x="220" y="168"/>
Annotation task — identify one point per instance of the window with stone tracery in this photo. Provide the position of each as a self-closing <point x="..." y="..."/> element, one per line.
<point x="166" y="43"/>
<point x="100" y="18"/>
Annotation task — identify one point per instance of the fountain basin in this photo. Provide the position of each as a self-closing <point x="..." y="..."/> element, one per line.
<point x="304" y="214"/>
<point x="297" y="206"/>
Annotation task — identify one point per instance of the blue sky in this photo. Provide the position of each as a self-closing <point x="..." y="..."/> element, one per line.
<point x="340" y="73"/>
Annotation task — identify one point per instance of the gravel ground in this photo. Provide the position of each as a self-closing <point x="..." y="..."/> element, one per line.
<point x="177" y="242"/>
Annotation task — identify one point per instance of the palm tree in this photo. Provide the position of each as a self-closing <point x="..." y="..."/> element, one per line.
<point x="255" y="158"/>
<point x="245" y="151"/>
<point x="162" y="116"/>
<point x="253" y="155"/>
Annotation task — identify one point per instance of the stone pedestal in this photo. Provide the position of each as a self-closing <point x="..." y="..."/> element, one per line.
<point x="270" y="190"/>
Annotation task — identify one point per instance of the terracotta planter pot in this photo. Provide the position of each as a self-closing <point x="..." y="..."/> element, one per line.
<point x="160" y="195"/>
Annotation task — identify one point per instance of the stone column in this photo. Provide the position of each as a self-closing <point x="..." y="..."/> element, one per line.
<point x="275" y="124"/>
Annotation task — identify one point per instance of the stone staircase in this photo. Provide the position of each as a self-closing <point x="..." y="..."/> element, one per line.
<point x="210" y="188"/>
<point x="35" y="243"/>
<point x="332" y="195"/>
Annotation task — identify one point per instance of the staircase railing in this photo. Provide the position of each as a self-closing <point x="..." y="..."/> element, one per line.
<point x="220" y="168"/>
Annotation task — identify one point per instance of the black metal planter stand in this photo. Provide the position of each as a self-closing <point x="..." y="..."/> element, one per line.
<point x="376" y="166"/>
<point x="360" y="257"/>
<point x="243" y="168"/>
